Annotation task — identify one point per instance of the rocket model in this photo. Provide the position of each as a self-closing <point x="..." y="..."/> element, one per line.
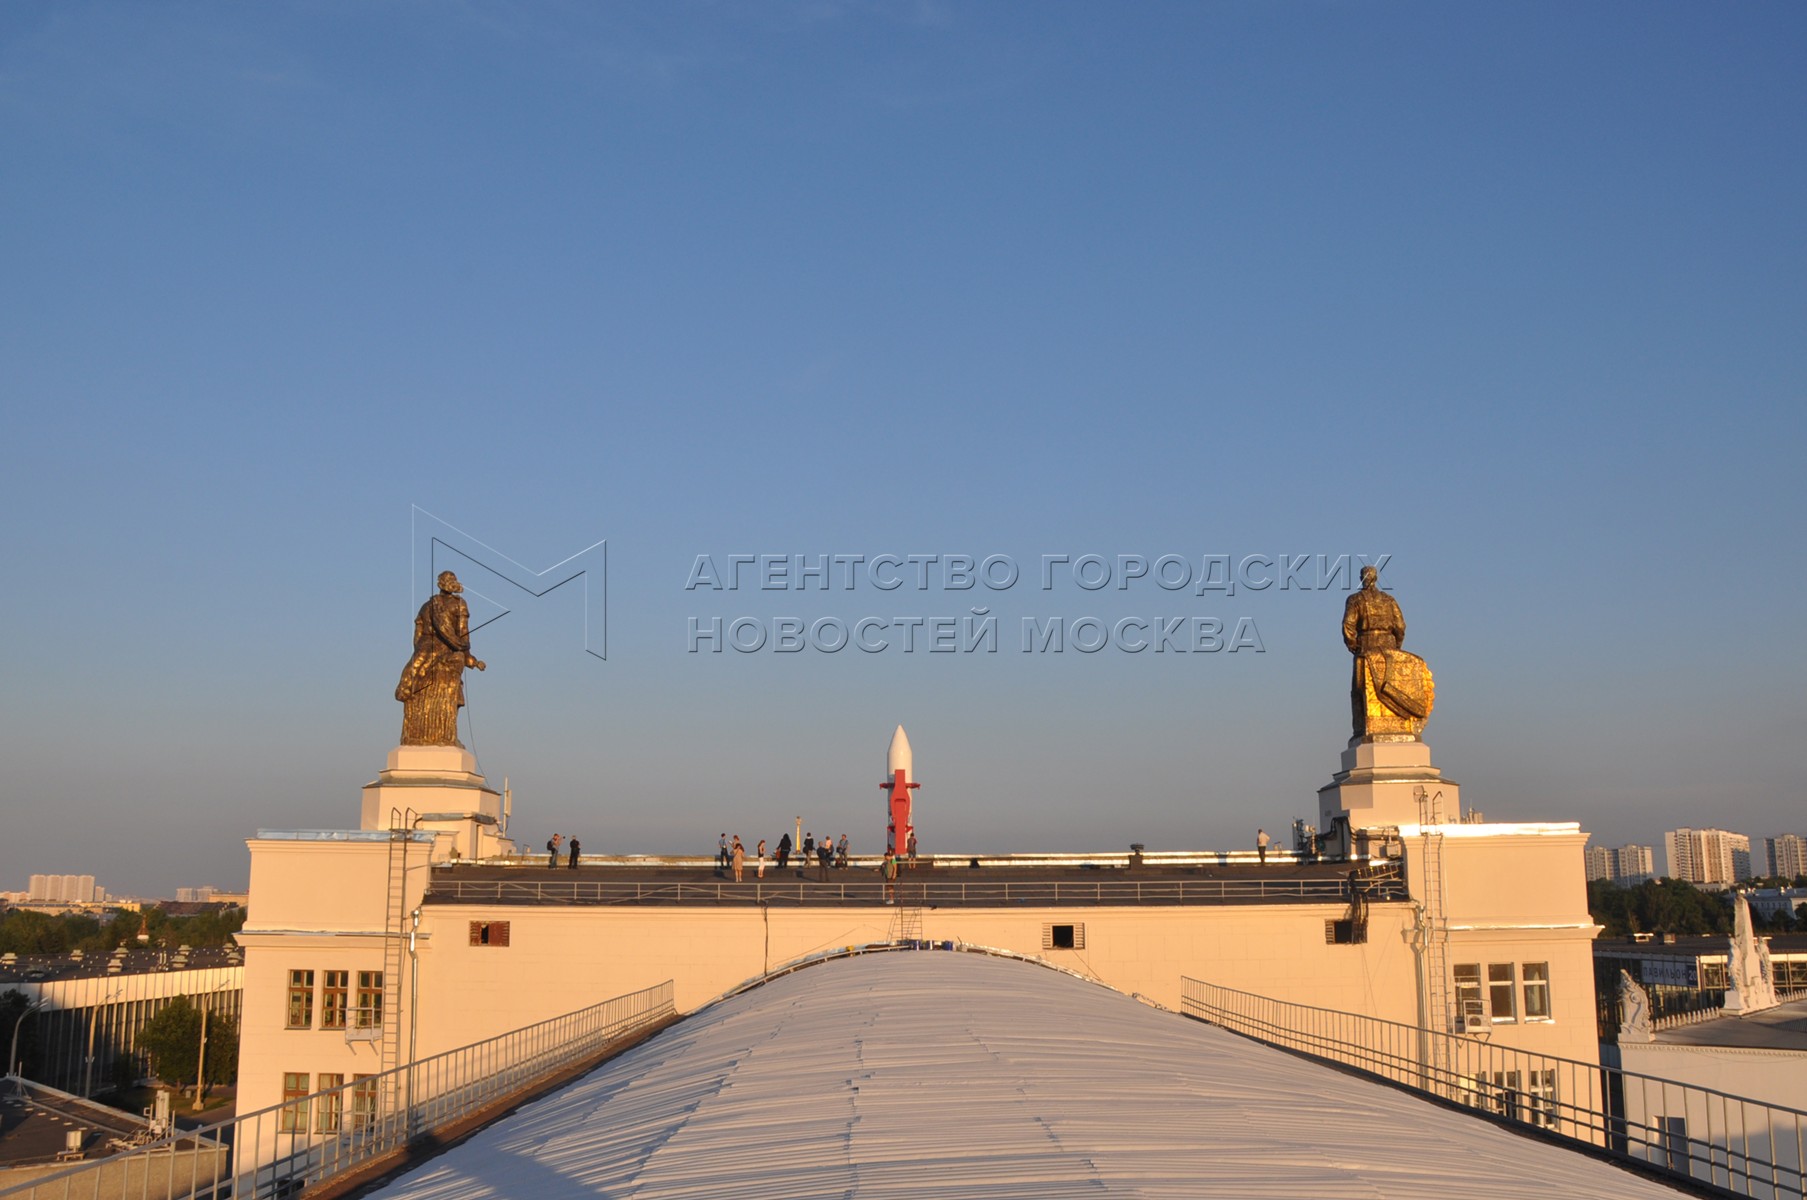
<point x="898" y="786"/>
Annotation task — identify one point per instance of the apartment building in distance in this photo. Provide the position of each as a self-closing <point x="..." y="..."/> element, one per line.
<point x="1786" y="854"/>
<point x="65" y="889"/>
<point x="1711" y="858"/>
<point x="1626" y="866"/>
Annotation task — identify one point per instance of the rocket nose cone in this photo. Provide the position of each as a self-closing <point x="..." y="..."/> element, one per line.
<point x="899" y="758"/>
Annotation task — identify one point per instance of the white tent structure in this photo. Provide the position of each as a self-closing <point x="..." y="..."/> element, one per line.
<point x="963" y="1075"/>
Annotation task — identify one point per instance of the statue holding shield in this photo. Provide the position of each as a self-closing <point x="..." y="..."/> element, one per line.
<point x="1392" y="692"/>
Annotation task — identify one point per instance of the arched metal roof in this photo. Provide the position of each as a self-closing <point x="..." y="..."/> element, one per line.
<point x="961" y="1075"/>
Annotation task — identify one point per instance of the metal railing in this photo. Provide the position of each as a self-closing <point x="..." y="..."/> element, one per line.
<point x="1741" y="1146"/>
<point x="277" y="1151"/>
<point x="939" y="894"/>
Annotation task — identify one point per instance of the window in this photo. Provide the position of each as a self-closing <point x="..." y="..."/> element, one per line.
<point x="363" y="1101"/>
<point x="1541" y="1086"/>
<point x="301" y="1000"/>
<point x="370" y="999"/>
<point x="332" y="1101"/>
<point x="1677" y="1155"/>
<point x="333" y="998"/>
<point x="1468" y="994"/>
<point x="1063" y="937"/>
<point x="1501" y="992"/>
<point x="489" y="933"/>
<point x="294" y="1102"/>
<point x="1537" y="991"/>
<point x="1507" y="1099"/>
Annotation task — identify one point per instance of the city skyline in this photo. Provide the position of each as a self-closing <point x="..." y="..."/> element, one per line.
<point x="1508" y="298"/>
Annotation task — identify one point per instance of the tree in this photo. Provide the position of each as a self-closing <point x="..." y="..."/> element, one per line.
<point x="172" y="1038"/>
<point x="13" y="1004"/>
<point x="1658" y="906"/>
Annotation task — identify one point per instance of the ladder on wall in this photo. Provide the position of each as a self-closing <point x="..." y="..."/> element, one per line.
<point x="906" y="919"/>
<point x="395" y="936"/>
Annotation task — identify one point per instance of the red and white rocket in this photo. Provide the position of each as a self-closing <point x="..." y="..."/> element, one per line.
<point x="898" y="786"/>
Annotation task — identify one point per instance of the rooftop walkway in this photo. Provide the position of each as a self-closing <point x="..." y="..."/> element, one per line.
<point x="944" y="883"/>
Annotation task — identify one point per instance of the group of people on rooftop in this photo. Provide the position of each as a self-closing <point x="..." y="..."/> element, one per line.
<point x="552" y="845"/>
<point x="731" y="854"/>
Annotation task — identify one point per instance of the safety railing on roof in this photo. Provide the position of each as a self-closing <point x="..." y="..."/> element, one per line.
<point x="278" y="1151"/>
<point x="1740" y="1146"/>
<point x="943" y="894"/>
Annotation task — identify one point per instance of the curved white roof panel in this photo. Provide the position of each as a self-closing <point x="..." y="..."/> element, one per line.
<point x="961" y="1075"/>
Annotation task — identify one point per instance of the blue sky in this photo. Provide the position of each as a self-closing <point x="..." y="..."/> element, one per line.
<point x="1512" y="294"/>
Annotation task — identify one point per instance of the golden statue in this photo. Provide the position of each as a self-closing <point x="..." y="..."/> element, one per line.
<point x="432" y="685"/>
<point x="1392" y="693"/>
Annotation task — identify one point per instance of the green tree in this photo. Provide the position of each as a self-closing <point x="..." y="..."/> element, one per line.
<point x="172" y="1038"/>
<point x="13" y="1004"/>
<point x="1658" y="906"/>
<point x="25" y="932"/>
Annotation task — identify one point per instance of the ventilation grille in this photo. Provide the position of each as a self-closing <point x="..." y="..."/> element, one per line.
<point x="489" y="933"/>
<point x="1063" y="937"/>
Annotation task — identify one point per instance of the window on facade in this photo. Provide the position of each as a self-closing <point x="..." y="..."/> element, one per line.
<point x="1541" y="1090"/>
<point x="1677" y="1155"/>
<point x="1508" y="1100"/>
<point x="363" y="1101"/>
<point x="489" y="933"/>
<point x="333" y="999"/>
<point x="330" y="1105"/>
<point x="1501" y="998"/>
<point x="1468" y="993"/>
<point x="1063" y="937"/>
<point x="1712" y="974"/>
<point x="301" y="999"/>
<point x="1537" y="991"/>
<point x="294" y="1102"/>
<point x="370" y="999"/>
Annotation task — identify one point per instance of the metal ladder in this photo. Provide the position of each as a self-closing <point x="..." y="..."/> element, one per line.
<point x="906" y="918"/>
<point x="395" y="938"/>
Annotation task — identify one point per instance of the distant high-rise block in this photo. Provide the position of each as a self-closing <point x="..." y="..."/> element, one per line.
<point x="1633" y="864"/>
<point x="1713" y="857"/>
<point x="65" y="889"/>
<point x="1626" y="866"/>
<point x="1787" y="855"/>
<point x="1599" y="863"/>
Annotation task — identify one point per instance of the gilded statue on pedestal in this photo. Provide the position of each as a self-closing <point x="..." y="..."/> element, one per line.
<point x="432" y="684"/>
<point x="1392" y="692"/>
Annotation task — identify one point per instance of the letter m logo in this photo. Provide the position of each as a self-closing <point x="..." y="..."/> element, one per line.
<point x="438" y="546"/>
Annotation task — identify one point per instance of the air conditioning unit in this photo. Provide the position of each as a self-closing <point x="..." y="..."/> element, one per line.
<point x="1473" y="1020"/>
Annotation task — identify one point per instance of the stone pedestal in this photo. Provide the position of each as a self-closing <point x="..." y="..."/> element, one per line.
<point x="438" y="788"/>
<point x="1379" y="785"/>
